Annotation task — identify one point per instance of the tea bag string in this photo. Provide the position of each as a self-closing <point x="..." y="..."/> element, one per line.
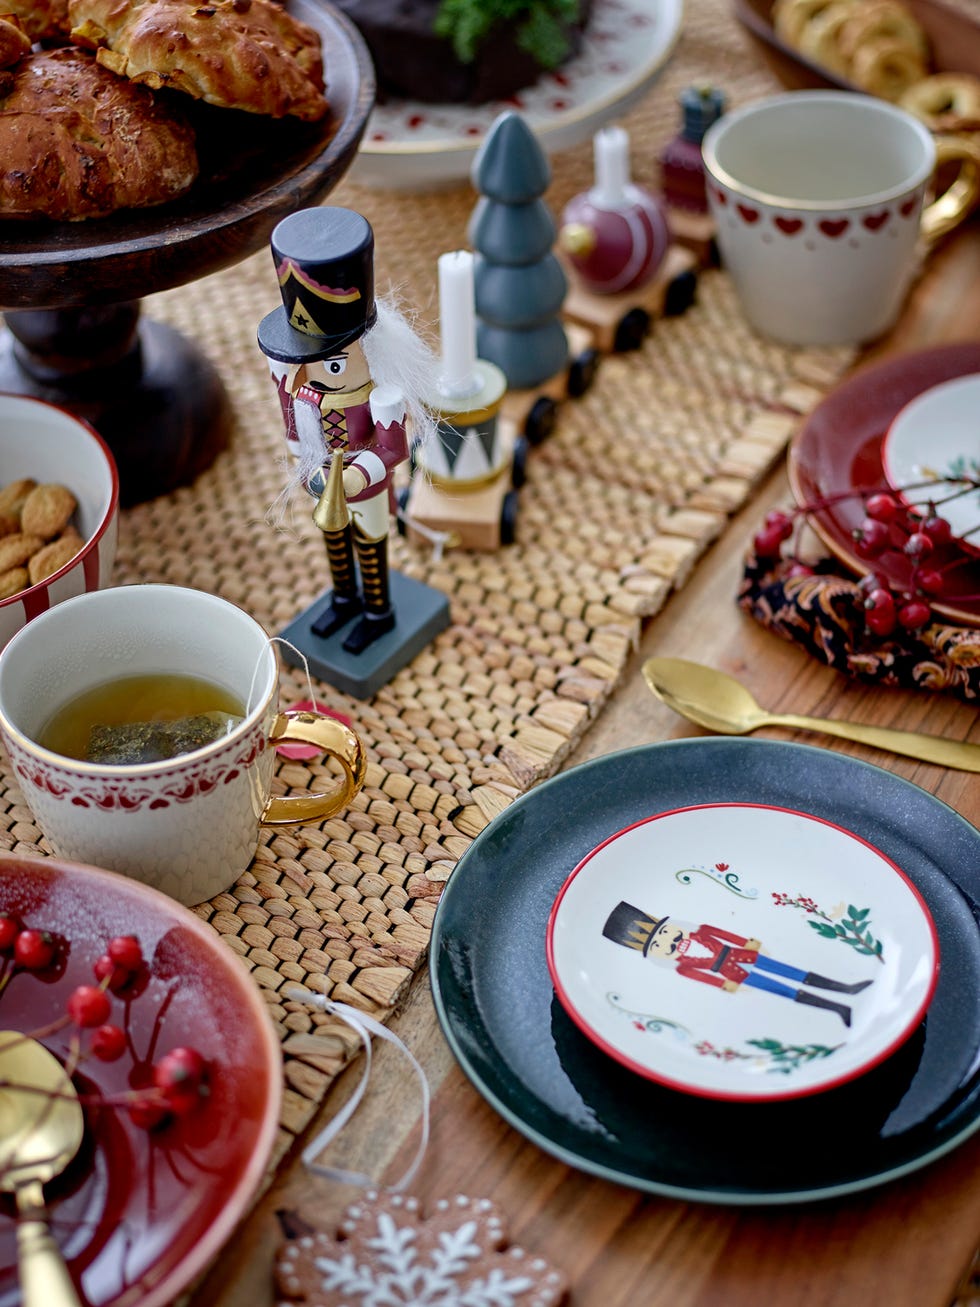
<point x="279" y="639"/>
<point x="364" y="1027"/>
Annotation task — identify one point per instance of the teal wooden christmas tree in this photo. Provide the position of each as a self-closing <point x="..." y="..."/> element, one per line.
<point x="519" y="284"/>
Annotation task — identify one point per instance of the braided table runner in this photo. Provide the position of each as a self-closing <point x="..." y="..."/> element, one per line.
<point x="637" y="481"/>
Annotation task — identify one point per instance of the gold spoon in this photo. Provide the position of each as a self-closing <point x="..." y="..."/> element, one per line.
<point x="41" y="1127"/>
<point x="718" y="702"/>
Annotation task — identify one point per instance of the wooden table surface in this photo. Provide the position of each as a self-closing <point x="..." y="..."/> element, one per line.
<point x="906" y="1244"/>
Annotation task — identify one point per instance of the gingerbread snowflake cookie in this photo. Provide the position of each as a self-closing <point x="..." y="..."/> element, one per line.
<point x="386" y="1251"/>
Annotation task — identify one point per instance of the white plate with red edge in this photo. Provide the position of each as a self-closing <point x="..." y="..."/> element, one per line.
<point x="413" y="146"/>
<point x="934" y="436"/>
<point x="651" y="924"/>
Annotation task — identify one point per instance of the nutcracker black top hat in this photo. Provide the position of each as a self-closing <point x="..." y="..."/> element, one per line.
<point x="632" y="927"/>
<point x="325" y="264"/>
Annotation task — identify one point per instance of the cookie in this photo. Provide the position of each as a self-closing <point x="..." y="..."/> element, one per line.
<point x="385" y="1246"/>
<point x="13" y="494"/>
<point x="53" y="556"/>
<point x="13" y="581"/>
<point x="47" y="510"/>
<point x="16" y="549"/>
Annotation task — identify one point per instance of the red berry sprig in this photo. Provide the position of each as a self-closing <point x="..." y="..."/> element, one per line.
<point x="890" y="524"/>
<point x="170" y="1087"/>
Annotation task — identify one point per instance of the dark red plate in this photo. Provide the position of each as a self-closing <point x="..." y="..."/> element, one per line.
<point x="138" y="1214"/>
<point x="838" y="449"/>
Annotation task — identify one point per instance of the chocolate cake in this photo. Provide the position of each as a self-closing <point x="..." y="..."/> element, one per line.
<point x="414" y="61"/>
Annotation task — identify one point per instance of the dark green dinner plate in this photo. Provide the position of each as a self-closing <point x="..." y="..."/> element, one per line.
<point x="514" y="1041"/>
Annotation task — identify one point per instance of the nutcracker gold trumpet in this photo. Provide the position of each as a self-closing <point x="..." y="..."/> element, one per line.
<point x="41" y="1128"/>
<point x="719" y="703"/>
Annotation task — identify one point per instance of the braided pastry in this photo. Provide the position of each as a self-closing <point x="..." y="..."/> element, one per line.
<point x="877" y="45"/>
<point x="884" y="20"/>
<point x="945" y="102"/>
<point x="790" y="17"/>
<point x="820" y="39"/>
<point x="886" y="68"/>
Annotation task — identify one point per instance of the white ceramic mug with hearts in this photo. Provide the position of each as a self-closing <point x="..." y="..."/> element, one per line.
<point x="187" y="825"/>
<point x="819" y="203"/>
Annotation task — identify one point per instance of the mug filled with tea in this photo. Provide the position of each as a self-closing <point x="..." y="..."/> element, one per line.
<point x="141" y="723"/>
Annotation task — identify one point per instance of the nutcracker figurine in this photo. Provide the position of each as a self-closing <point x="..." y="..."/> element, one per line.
<point x="350" y="373"/>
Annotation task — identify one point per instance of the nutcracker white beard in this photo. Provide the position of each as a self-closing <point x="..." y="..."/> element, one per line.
<point x="397" y="358"/>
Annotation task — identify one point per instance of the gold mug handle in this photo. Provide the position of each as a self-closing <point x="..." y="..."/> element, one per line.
<point x="950" y="208"/>
<point x="332" y="737"/>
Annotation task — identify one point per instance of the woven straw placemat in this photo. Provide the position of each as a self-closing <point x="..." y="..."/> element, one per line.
<point x="637" y="481"/>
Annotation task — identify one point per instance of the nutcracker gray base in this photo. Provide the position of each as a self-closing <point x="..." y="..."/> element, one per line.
<point x="421" y="612"/>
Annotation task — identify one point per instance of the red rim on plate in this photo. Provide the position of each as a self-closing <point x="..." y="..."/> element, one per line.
<point x="742" y="952"/>
<point x="139" y="1214"/>
<point x="838" y="450"/>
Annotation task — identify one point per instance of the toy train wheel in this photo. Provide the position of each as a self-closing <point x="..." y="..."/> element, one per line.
<point x="581" y="372"/>
<point x="508" y="518"/>
<point x="518" y="466"/>
<point x="680" y="293"/>
<point x="401" y="499"/>
<point x="540" y="422"/>
<point x="631" y="331"/>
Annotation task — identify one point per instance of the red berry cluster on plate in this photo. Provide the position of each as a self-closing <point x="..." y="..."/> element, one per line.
<point x="891" y="525"/>
<point x="176" y="1082"/>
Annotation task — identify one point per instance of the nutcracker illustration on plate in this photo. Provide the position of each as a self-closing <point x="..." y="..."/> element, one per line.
<point x="351" y="375"/>
<point x="724" y="959"/>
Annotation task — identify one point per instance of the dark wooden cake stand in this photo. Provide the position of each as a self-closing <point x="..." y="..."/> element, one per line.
<point x="71" y="291"/>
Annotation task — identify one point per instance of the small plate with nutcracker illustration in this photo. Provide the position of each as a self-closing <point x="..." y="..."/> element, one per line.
<point x="742" y="951"/>
<point x="156" y="1187"/>
<point x="513" y="1038"/>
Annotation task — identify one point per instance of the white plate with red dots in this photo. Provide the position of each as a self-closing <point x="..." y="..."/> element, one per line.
<point x="176" y="1063"/>
<point x="932" y="441"/>
<point x="414" y="146"/>
<point x="744" y="952"/>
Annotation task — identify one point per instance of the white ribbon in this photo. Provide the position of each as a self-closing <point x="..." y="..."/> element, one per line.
<point x="364" y="1027"/>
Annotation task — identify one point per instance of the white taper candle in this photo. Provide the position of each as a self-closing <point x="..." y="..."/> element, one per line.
<point x="611" y="156"/>
<point x="457" y="324"/>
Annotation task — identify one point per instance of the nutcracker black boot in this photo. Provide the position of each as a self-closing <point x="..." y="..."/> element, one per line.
<point x="345" y="600"/>
<point x="822" y="982"/>
<point x="379" y="616"/>
<point x="814" y="1000"/>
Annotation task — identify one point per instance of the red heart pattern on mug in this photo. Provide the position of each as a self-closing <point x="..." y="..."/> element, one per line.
<point x="908" y="206"/>
<point x="834" y="227"/>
